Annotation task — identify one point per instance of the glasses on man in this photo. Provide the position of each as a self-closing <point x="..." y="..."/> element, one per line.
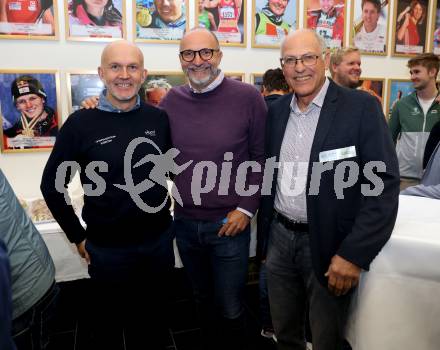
<point x="204" y="54"/>
<point x="307" y="60"/>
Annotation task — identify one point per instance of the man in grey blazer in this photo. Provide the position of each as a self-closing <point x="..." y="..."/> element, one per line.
<point x="333" y="200"/>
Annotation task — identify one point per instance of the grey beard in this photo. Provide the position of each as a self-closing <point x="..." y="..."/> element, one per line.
<point x="202" y="83"/>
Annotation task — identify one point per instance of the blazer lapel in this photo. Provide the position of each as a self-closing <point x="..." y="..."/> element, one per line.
<point x="325" y="121"/>
<point x="280" y="126"/>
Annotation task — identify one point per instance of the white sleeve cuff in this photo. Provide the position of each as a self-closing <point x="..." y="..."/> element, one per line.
<point x="246" y="212"/>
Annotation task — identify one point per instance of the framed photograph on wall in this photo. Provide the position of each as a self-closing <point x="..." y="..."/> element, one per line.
<point x="397" y="88"/>
<point x="94" y="20"/>
<point x="435" y="30"/>
<point x="158" y="84"/>
<point x="35" y="19"/>
<point x="375" y="87"/>
<point x="369" y="26"/>
<point x="160" y="21"/>
<point x="272" y="20"/>
<point x="239" y="76"/>
<point x="257" y="81"/>
<point x="226" y="18"/>
<point x="327" y="18"/>
<point x="81" y="85"/>
<point x="29" y="109"/>
<point x="410" y="27"/>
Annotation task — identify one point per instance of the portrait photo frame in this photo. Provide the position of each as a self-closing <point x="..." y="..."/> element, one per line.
<point x="375" y="87"/>
<point x="39" y="22"/>
<point x="30" y="109"/>
<point x="229" y="21"/>
<point x="81" y="23"/>
<point x="434" y="39"/>
<point x="330" y="23"/>
<point x="396" y="89"/>
<point x="82" y="84"/>
<point x="410" y="28"/>
<point x="152" y="25"/>
<point x="265" y="32"/>
<point x="239" y="76"/>
<point x="370" y="37"/>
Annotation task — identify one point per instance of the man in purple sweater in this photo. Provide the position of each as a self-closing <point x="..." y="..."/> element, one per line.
<point x="218" y="124"/>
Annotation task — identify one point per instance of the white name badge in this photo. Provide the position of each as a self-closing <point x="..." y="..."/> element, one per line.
<point x="337" y="154"/>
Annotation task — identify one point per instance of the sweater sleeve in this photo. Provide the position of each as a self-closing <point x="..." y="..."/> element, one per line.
<point x="423" y="191"/>
<point x="55" y="180"/>
<point x="256" y="151"/>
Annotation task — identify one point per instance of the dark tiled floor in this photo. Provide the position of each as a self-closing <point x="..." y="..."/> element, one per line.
<point x="184" y="333"/>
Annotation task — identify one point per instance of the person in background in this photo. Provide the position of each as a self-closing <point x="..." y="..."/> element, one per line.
<point x="413" y="117"/>
<point x="34" y="291"/>
<point x="169" y="14"/>
<point x="206" y="18"/>
<point x="6" y="342"/>
<point x="228" y="14"/>
<point x="431" y="144"/>
<point x="345" y="67"/>
<point x="27" y="11"/>
<point x="328" y="21"/>
<point x="95" y="13"/>
<point x="274" y="85"/>
<point x="155" y="91"/>
<point x="409" y="19"/>
<point x="371" y="36"/>
<point x="37" y="118"/>
<point x="430" y="183"/>
<point x="270" y="20"/>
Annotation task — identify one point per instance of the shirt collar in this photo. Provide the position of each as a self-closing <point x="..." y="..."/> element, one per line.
<point x="216" y="82"/>
<point x="317" y="101"/>
<point x="105" y="105"/>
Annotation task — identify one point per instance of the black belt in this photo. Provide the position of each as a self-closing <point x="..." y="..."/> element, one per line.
<point x="291" y="225"/>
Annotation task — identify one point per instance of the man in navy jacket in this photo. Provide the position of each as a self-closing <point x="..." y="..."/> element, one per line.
<point x="328" y="217"/>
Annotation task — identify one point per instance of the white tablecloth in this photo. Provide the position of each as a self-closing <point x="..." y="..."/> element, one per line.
<point x="397" y="303"/>
<point x="69" y="265"/>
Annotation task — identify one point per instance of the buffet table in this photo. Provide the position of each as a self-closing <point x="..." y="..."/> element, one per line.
<point x="396" y="306"/>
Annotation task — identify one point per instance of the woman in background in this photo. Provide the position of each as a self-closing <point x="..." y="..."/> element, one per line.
<point x="95" y="13"/>
<point x="26" y="11"/>
<point x="412" y="16"/>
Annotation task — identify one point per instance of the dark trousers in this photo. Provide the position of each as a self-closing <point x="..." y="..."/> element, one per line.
<point x="31" y="330"/>
<point x="293" y="287"/>
<point x="217" y="268"/>
<point x="128" y="306"/>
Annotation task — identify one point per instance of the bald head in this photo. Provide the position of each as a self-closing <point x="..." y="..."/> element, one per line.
<point x="304" y="36"/>
<point x="122" y="72"/>
<point x="121" y="46"/>
<point x="304" y="65"/>
<point x="199" y="35"/>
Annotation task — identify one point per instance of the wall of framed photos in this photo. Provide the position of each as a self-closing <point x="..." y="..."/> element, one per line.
<point x="68" y="49"/>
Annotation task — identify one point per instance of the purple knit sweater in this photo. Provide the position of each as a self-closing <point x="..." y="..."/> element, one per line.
<point x="231" y="118"/>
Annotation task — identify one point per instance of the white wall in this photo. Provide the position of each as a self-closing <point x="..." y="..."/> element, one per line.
<point x="24" y="169"/>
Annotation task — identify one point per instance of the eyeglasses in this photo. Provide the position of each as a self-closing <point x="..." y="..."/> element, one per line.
<point x="307" y="60"/>
<point x="204" y="54"/>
